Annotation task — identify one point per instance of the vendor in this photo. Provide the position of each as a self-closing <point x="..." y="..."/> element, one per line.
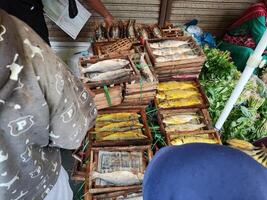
<point x="202" y="172"/>
<point x="244" y="34"/>
<point x="31" y="12"/>
<point x="43" y="108"/>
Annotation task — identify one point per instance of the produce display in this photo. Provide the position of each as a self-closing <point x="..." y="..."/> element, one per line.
<point x="118" y="126"/>
<point x="248" y="119"/>
<point x="175" y="94"/>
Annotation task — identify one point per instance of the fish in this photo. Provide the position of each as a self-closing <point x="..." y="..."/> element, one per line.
<point x="111" y="75"/>
<point x="117" y="117"/>
<point x="131" y="29"/>
<point x="180" y="102"/>
<point x="114" y="31"/>
<point x="193" y="139"/>
<point x="179" y="119"/>
<point x="174" y="57"/>
<point x="99" y="33"/>
<point x="167" y="44"/>
<point x="119" y="178"/>
<point x="171" y="51"/>
<point x="172" y="85"/>
<point x="129" y="135"/>
<point x="145" y="70"/>
<point x="157" y="32"/>
<point x="120" y="126"/>
<point x="177" y="93"/>
<point x="106" y="65"/>
<point x="184" y="127"/>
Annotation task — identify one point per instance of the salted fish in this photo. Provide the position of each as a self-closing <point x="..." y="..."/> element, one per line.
<point x="129" y="135"/>
<point x="180" y="102"/>
<point x="120" y="126"/>
<point x="177" y="93"/>
<point x="184" y="127"/>
<point x="119" y="178"/>
<point x="167" y="44"/>
<point x="179" y="119"/>
<point x="171" y="51"/>
<point x="117" y="117"/>
<point x="145" y="70"/>
<point x="111" y="75"/>
<point x="174" y="57"/>
<point x="172" y="85"/>
<point x="193" y="139"/>
<point x="134" y="196"/>
<point x="106" y="65"/>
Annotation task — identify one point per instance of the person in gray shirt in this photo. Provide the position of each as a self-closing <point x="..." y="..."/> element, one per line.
<point x="43" y="107"/>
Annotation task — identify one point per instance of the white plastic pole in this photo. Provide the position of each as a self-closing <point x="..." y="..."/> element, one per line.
<point x="253" y="62"/>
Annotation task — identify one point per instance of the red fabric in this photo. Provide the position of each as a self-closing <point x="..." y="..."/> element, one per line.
<point x="242" y="40"/>
<point x="255" y="10"/>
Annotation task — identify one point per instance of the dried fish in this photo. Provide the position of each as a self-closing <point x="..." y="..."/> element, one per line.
<point x="134" y="196"/>
<point x="128" y="135"/>
<point x="105" y="76"/>
<point x="117" y="117"/>
<point x="171" y="51"/>
<point x="106" y="65"/>
<point x="99" y="33"/>
<point x="131" y="29"/>
<point x="145" y="70"/>
<point x="120" y="126"/>
<point x="184" y="127"/>
<point x="180" y="102"/>
<point x="193" y="139"/>
<point x="179" y="119"/>
<point x="114" y="31"/>
<point x="174" y="57"/>
<point x="119" y="178"/>
<point x="157" y="32"/>
<point x="177" y="93"/>
<point x="172" y="85"/>
<point x="167" y="44"/>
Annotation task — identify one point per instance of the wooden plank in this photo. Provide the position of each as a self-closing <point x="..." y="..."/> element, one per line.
<point x="162" y="14"/>
<point x="168" y="10"/>
<point x="210" y="5"/>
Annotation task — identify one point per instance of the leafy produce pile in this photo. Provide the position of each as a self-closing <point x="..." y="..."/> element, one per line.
<point x="248" y="119"/>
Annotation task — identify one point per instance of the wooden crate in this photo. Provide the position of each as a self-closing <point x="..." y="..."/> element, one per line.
<point x="115" y="195"/>
<point x="205" y="102"/>
<point x="95" y="189"/>
<point x="134" y="76"/>
<point x="102" y="100"/>
<point x="81" y="156"/>
<point x="196" y="49"/>
<point x="112" y="143"/>
<point x="213" y="134"/>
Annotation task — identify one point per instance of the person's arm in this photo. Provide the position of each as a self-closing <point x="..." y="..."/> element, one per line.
<point x="98" y="6"/>
<point x="258" y="27"/>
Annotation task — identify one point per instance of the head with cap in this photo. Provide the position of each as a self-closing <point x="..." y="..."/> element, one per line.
<point x="204" y="171"/>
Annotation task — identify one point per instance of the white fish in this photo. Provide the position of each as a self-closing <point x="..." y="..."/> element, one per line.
<point x="131" y="197"/>
<point x="145" y="70"/>
<point x="167" y="44"/>
<point x="174" y="57"/>
<point x="119" y="178"/>
<point x="111" y="75"/>
<point x="106" y="65"/>
<point x="170" y="51"/>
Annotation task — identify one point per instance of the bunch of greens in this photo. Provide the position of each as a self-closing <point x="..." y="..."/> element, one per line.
<point x="219" y="77"/>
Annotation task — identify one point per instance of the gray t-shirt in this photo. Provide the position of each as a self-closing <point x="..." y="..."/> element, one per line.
<point x="46" y="109"/>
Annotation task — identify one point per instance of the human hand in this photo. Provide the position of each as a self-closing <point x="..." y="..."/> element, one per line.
<point x="109" y="20"/>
